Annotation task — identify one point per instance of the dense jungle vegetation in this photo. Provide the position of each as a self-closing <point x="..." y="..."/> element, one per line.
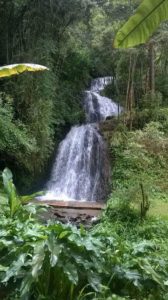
<point x="125" y="255"/>
<point x="73" y="39"/>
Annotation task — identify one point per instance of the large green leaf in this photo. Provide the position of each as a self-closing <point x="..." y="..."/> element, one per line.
<point x="140" y="26"/>
<point x="13" y="198"/>
<point x="16" y="69"/>
<point x="28" y="198"/>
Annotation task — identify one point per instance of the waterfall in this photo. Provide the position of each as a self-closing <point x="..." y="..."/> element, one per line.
<point x="81" y="167"/>
<point x="98" y="108"/>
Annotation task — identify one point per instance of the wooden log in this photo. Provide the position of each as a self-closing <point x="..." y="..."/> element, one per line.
<point x="73" y="204"/>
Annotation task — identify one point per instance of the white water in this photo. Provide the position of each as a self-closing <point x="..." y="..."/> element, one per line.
<point x="80" y="170"/>
<point x="98" y="108"/>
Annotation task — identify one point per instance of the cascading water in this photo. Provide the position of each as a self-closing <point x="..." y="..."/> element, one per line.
<point x="81" y="171"/>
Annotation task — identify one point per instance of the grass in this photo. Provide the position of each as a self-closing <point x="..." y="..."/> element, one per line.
<point x="159" y="208"/>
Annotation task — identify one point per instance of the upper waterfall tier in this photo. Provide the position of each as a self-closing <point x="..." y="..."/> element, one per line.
<point x="97" y="107"/>
<point x="100" y="83"/>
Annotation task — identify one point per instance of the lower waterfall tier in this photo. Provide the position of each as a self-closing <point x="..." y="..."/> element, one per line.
<point x="81" y="169"/>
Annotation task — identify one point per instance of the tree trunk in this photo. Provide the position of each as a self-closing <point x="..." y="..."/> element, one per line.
<point x="151" y="68"/>
<point x="130" y="88"/>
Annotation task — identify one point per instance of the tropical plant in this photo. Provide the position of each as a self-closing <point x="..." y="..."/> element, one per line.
<point x="53" y="261"/>
<point x="15" y="201"/>
<point x="142" y="24"/>
<point x="16" y="69"/>
<point x="49" y="260"/>
<point x="137" y="256"/>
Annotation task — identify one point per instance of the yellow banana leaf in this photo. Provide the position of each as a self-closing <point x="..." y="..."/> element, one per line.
<point x="16" y="69"/>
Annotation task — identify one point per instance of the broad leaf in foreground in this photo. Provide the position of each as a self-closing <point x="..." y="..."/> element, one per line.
<point x="13" y="198"/>
<point x="138" y="29"/>
<point x="16" y="69"/>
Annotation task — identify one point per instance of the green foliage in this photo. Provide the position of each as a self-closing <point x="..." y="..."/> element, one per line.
<point x="115" y="260"/>
<point x="140" y="157"/>
<point x="72" y="39"/>
<point x="140" y="26"/>
<point x="141" y="253"/>
<point x="49" y="261"/>
<point x="150" y="109"/>
<point x="151" y="101"/>
<point x="45" y="104"/>
<point x="10" y="190"/>
<point x="15" y="139"/>
<point x="123" y="256"/>
<point x="14" y="200"/>
<point x="58" y="261"/>
<point x="139" y="151"/>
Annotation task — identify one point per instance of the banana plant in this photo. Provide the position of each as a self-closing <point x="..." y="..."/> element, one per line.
<point x="139" y="28"/>
<point x="16" y="69"/>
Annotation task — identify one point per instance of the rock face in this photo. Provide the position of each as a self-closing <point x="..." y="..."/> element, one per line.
<point x="107" y="127"/>
<point x="81" y="168"/>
